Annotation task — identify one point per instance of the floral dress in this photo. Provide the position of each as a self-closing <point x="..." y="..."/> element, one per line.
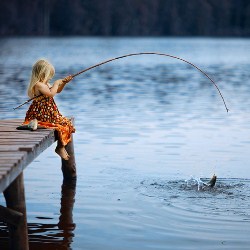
<point x="45" y="110"/>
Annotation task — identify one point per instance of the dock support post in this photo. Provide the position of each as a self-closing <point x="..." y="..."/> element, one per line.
<point x="15" y="199"/>
<point x="66" y="223"/>
<point x="69" y="167"/>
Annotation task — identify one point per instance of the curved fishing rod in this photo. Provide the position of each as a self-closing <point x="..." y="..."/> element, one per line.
<point x="137" y="54"/>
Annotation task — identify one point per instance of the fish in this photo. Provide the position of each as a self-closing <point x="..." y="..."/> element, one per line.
<point x="212" y="182"/>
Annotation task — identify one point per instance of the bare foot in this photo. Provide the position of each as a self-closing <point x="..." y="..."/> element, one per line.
<point x="61" y="151"/>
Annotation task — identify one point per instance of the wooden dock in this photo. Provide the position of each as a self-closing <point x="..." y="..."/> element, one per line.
<point x="18" y="148"/>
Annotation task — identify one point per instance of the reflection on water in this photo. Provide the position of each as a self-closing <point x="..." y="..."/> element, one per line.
<point x="144" y="125"/>
<point x="52" y="236"/>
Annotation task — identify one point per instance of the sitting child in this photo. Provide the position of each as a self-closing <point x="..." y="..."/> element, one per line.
<point x="44" y="108"/>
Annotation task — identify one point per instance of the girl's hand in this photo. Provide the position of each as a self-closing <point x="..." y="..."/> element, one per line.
<point x="58" y="82"/>
<point x="63" y="82"/>
<point x="67" y="79"/>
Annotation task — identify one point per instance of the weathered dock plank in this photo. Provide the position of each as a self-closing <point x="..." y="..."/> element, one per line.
<point x="18" y="148"/>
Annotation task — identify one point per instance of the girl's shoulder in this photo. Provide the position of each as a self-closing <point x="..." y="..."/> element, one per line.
<point x="39" y="87"/>
<point x="38" y="84"/>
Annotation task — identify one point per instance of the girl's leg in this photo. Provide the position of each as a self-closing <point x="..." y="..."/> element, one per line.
<point x="61" y="151"/>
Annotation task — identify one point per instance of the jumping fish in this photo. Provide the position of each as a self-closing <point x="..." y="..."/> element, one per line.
<point x="212" y="182"/>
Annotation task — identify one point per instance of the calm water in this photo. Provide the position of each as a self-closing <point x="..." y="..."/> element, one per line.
<point x="148" y="128"/>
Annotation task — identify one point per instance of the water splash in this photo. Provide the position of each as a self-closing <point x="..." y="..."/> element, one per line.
<point x="194" y="182"/>
<point x="229" y="196"/>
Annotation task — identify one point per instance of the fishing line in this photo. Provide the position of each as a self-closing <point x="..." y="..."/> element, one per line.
<point x="137" y="54"/>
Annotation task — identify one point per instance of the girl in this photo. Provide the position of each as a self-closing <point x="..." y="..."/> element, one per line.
<point x="44" y="109"/>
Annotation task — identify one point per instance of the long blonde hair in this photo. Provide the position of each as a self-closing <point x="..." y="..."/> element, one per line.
<point x="42" y="71"/>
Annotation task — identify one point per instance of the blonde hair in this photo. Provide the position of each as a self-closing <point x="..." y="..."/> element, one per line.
<point x="42" y="71"/>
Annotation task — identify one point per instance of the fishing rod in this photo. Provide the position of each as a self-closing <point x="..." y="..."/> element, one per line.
<point x="137" y="54"/>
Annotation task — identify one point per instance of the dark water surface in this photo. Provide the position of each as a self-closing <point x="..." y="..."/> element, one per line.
<point x="148" y="128"/>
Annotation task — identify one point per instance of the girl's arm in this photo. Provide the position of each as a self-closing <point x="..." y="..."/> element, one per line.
<point x="64" y="82"/>
<point x="45" y="90"/>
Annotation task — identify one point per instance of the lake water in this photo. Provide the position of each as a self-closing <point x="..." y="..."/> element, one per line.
<point x="148" y="128"/>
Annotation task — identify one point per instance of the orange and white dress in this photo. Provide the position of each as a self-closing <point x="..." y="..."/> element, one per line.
<point x="45" y="110"/>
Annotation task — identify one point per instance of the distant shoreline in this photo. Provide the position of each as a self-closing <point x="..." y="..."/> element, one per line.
<point x="208" y="18"/>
